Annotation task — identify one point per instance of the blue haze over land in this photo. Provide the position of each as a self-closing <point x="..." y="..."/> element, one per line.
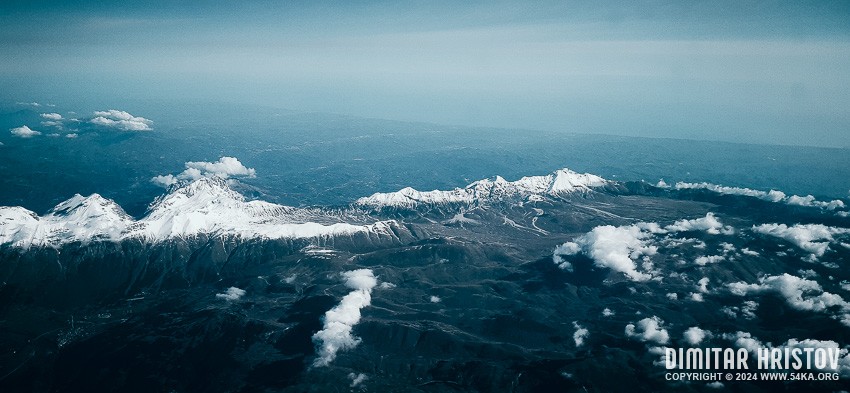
<point x="766" y="72"/>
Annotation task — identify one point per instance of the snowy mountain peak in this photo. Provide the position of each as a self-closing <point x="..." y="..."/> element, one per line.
<point x="205" y="188"/>
<point x="560" y="182"/>
<point x="566" y="180"/>
<point x="78" y="219"/>
<point x="201" y="192"/>
<point x="85" y="208"/>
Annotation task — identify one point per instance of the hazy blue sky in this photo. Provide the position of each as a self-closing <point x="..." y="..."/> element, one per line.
<point x="761" y="71"/>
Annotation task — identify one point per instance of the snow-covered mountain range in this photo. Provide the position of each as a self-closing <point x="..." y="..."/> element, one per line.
<point x="558" y="183"/>
<point x="205" y="206"/>
<point x="209" y="206"/>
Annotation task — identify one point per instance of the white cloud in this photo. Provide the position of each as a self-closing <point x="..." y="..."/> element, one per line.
<point x="231" y="294"/>
<point x="340" y="320"/>
<point x="747" y="251"/>
<point x="809" y="200"/>
<point x="357" y="379"/>
<point x="843" y="353"/>
<point x="694" y="335"/>
<point x="771" y="196"/>
<point x="744" y="340"/>
<point x="671" y="242"/>
<point x="225" y="167"/>
<point x="799" y="293"/>
<point x="705" y="260"/>
<point x="569" y="248"/>
<point x="121" y="120"/>
<point x="715" y="385"/>
<point x="607" y="312"/>
<point x="52" y="120"/>
<point x="24" y="132"/>
<point x="620" y="248"/>
<point x="34" y="104"/>
<point x="672" y="296"/>
<point x="164" y="180"/>
<point x="709" y="224"/>
<point x="435" y="299"/>
<point x="752" y="344"/>
<point x="697" y="297"/>
<point x="580" y="334"/>
<point x="615" y="248"/>
<point x="649" y="329"/>
<point x="808" y="273"/>
<point x="703" y="284"/>
<point x="748" y="309"/>
<point x="71" y="135"/>
<point x="813" y="238"/>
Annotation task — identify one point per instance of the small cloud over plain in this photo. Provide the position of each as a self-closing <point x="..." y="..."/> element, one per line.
<point x="232" y="294"/>
<point x="648" y="330"/>
<point x="24" y="132"/>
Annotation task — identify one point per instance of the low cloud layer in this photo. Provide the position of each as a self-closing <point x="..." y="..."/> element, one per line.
<point x="799" y="294"/>
<point x="771" y="196"/>
<point x="812" y="238"/>
<point x="340" y="320"/>
<point x="620" y="248"/>
<point x="24" y="132"/>
<point x="752" y="344"/>
<point x="225" y="167"/>
<point x="709" y="224"/>
<point x="34" y="104"/>
<point x="121" y="120"/>
<point x="612" y="247"/>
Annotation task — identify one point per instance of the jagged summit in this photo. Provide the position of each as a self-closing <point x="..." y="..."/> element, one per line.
<point x="92" y="206"/>
<point x="85" y="218"/>
<point x="561" y="182"/>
